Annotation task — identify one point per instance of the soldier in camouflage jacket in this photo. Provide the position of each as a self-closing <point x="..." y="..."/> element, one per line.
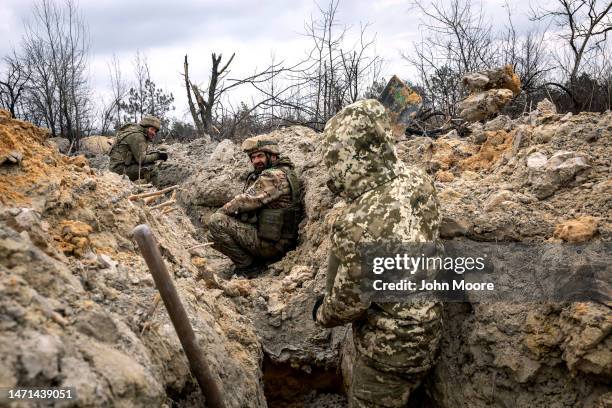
<point x="396" y="343"/>
<point x="261" y="223"/>
<point x="129" y="152"/>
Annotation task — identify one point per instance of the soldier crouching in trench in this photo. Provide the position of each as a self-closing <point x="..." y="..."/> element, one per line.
<point x="129" y="152"/>
<point x="396" y="343"/>
<point x="261" y="223"/>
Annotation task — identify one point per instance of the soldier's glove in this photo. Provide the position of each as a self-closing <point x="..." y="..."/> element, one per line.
<point x="162" y="156"/>
<point x="316" y="306"/>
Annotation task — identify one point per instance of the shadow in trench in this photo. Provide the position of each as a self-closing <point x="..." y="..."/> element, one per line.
<point x="289" y="387"/>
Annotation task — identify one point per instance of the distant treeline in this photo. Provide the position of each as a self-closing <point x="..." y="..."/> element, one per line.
<point x="566" y="57"/>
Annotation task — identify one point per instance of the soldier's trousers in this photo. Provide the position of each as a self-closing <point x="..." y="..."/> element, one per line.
<point x="147" y="171"/>
<point x="373" y="387"/>
<point x="239" y="241"/>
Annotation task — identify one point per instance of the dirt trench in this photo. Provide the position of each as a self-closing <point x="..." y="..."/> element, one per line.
<point x="77" y="301"/>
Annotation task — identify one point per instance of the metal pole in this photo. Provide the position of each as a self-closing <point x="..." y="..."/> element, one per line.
<point x="180" y="320"/>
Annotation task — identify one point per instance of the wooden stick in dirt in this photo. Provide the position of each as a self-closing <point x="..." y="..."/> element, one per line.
<point x="146" y="185"/>
<point x="162" y="205"/>
<point x="144" y="321"/>
<point x="148" y="200"/>
<point x="200" y="246"/>
<point x="168" y="210"/>
<point x="152" y="194"/>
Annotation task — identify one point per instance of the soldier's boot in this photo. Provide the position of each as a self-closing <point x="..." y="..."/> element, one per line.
<point x="223" y="231"/>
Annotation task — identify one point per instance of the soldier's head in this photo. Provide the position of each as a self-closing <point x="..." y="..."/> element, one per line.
<point x="358" y="149"/>
<point x="151" y="124"/>
<point x="262" y="150"/>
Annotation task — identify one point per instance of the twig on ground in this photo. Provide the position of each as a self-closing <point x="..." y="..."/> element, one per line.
<point x="200" y="246"/>
<point x="168" y="210"/>
<point x="144" y="321"/>
<point x="164" y="204"/>
<point x="152" y="194"/>
<point x="148" y="200"/>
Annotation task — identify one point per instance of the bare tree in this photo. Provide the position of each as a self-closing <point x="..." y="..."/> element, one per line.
<point x="331" y="76"/>
<point x="111" y="110"/>
<point x="138" y="92"/>
<point x="213" y="102"/>
<point x="145" y="97"/>
<point x="42" y="96"/>
<point x="14" y="83"/>
<point x="55" y="50"/>
<point x="529" y="57"/>
<point x="194" y="113"/>
<point x="213" y="93"/>
<point x="457" y="40"/>
<point x="584" y="26"/>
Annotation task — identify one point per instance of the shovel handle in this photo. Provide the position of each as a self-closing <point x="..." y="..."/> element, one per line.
<point x="199" y="368"/>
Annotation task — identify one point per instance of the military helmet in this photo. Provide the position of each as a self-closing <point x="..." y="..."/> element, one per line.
<point x="149" y="120"/>
<point x="262" y="143"/>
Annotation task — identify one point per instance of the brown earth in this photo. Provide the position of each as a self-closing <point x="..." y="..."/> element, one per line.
<point x="77" y="303"/>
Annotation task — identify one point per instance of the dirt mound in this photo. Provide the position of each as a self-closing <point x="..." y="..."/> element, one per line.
<point x="95" y="145"/>
<point x="78" y="304"/>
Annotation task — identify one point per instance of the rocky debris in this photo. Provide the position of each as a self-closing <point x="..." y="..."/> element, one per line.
<point x="183" y="160"/>
<point x="500" y="78"/>
<point x="501" y="354"/>
<point x="548" y="175"/>
<point x="501" y="122"/>
<point x="517" y="161"/>
<point x="444" y="176"/>
<point x="96" y="149"/>
<point x="484" y="104"/>
<point x="490" y="91"/>
<point x="95" y="145"/>
<point x="74" y="239"/>
<point x="12" y="157"/>
<point x="61" y="144"/>
<point x="577" y="230"/>
<point x="587" y="341"/>
<point x="546" y="107"/>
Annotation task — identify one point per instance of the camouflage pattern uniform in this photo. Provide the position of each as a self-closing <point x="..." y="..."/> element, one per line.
<point x="129" y="153"/>
<point x="396" y="343"/>
<point x="234" y="229"/>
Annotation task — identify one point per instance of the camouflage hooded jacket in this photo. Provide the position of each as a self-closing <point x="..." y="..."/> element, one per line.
<point x="386" y="200"/>
<point x="130" y="147"/>
<point x="271" y="189"/>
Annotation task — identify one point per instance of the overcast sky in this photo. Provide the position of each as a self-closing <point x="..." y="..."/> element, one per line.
<point x="166" y="30"/>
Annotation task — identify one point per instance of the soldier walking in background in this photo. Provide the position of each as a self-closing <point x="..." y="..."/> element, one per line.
<point x="129" y="152"/>
<point x="261" y="223"/>
<point x="396" y="343"/>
